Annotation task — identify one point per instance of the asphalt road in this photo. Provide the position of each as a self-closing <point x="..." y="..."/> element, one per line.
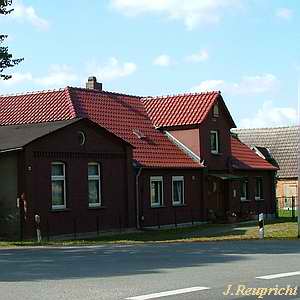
<point x="149" y="271"/>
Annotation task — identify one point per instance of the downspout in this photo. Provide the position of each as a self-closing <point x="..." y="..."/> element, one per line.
<point x="138" y="226"/>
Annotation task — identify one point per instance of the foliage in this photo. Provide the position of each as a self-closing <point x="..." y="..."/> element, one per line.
<point x="6" y="58"/>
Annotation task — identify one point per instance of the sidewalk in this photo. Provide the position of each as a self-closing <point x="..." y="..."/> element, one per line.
<point x="217" y="230"/>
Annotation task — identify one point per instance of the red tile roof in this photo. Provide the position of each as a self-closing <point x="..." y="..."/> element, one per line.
<point x="120" y="114"/>
<point x="185" y="109"/>
<point x="246" y="159"/>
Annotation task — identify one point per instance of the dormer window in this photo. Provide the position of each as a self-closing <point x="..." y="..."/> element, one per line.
<point x="216" y="110"/>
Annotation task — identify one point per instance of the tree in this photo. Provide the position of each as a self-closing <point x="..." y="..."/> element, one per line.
<point x="6" y="59"/>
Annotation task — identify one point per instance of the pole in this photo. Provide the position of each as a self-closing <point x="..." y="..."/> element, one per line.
<point x="261" y="226"/>
<point x="37" y="219"/>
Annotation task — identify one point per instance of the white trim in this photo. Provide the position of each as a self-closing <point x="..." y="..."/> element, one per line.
<point x="11" y="150"/>
<point x="59" y="178"/>
<point x="259" y="198"/>
<point x="180" y="179"/>
<point x="157" y="179"/>
<point x="94" y="178"/>
<point x="244" y="199"/>
<point x="216" y="133"/>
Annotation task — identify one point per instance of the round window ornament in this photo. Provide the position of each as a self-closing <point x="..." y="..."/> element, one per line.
<point x="81" y="138"/>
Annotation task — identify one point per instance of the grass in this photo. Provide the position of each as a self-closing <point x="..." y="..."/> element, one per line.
<point x="279" y="229"/>
<point x="283" y="213"/>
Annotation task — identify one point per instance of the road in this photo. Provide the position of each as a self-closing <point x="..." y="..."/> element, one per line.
<point x="149" y="271"/>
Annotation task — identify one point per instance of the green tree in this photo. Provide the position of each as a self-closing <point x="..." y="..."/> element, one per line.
<point x="6" y="59"/>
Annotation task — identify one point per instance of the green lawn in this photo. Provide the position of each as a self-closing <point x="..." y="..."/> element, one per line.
<point x="282" y="213"/>
<point x="279" y="229"/>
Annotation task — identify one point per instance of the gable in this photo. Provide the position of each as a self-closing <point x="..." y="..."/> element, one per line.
<point x="183" y="110"/>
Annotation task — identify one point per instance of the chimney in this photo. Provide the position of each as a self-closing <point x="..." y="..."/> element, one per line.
<point x="92" y="84"/>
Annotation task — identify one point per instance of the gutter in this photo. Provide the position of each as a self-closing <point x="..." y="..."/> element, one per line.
<point x="138" y="225"/>
<point x="11" y="150"/>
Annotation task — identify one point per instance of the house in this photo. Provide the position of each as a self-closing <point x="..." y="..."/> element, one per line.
<point x="66" y="172"/>
<point x="85" y="160"/>
<point x="279" y="145"/>
<point x="237" y="180"/>
<point x="165" y="183"/>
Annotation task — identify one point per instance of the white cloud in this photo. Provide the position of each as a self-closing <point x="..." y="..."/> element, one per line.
<point x="27" y="13"/>
<point x="271" y="116"/>
<point x="162" y="60"/>
<point x="248" y="85"/>
<point x="209" y="85"/>
<point x="191" y="12"/>
<point x="113" y="69"/>
<point x="284" y="13"/>
<point x="17" y="78"/>
<point x="59" y="75"/>
<point x="198" y="57"/>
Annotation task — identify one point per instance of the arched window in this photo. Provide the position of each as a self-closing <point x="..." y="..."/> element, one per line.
<point x="58" y="185"/>
<point x="216" y="110"/>
<point x="94" y="184"/>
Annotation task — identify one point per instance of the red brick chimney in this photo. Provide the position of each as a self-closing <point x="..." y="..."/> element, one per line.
<point x="92" y="84"/>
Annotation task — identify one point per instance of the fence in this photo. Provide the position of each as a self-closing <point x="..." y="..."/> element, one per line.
<point x="286" y="207"/>
<point x="175" y="216"/>
<point x="79" y="227"/>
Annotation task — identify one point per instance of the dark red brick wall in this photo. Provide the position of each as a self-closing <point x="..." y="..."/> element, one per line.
<point x="168" y="214"/>
<point x="223" y="126"/>
<point x="117" y="183"/>
<point x="266" y="206"/>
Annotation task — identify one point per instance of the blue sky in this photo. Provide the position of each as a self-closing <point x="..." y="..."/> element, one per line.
<point x="248" y="49"/>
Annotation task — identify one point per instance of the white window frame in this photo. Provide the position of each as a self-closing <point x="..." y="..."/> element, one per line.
<point x="216" y="133"/>
<point x="157" y="179"/>
<point x="174" y="179"/>
<point x="98" y="178"/>
<point x="245" y="181"/>
<point x="261" y="196"/>
<point x="59" y="178"/>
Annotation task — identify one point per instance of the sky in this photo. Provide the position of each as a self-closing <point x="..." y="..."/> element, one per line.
<point x="247" y="49"/>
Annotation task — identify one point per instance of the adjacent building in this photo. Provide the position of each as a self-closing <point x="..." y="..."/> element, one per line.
<point x="280" y="146"/>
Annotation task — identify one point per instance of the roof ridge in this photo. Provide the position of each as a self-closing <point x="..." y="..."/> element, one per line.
<point x="181" y="95"/>
<point x="67" y="88"/>
<point x="33" y="92"/>
<point x="105" y="92"/>
<point x="266" y="128"/>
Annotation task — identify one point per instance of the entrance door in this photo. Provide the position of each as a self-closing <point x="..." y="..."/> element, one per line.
<point x="218" y="196"/>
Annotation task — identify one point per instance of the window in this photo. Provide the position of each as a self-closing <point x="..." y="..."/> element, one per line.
<point x="156" y="191"/>
<point x="94" y="184"/>
<point x="259" y="193"/>
<point x="244" y="189"/>
<point x="214" y="141"/>
<point x="58" y="184"/>
<point x="178" y="190"/>
<point x="216" y="111"/>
